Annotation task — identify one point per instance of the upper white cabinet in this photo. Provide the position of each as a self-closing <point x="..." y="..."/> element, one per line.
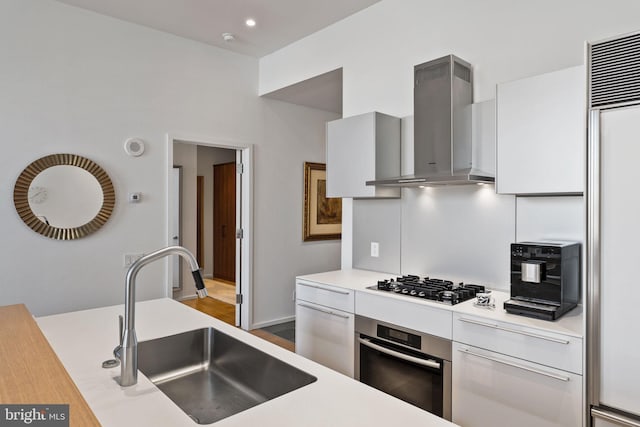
<point x="541" y="134"/>
<point x="359" y="149"/>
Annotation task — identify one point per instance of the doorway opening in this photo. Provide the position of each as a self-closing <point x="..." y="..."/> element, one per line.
<point x="213" y="204"/>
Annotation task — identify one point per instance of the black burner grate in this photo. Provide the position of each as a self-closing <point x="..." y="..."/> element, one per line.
<point x="440" y="290"/>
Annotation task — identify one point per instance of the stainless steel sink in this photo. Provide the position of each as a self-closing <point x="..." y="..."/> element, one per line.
<point x="211" y="375"/>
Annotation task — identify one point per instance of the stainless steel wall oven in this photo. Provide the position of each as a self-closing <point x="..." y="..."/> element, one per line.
<point x="410" y="365"/>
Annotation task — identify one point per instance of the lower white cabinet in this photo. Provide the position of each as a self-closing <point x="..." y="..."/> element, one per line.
<point x="508" y="374"/>
<point x="325" y="332"/>
<point x="492" y="389"/>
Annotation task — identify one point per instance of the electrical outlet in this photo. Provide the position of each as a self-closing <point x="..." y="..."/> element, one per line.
<point x="129" y="259"/>
<point x="375" y="249"/>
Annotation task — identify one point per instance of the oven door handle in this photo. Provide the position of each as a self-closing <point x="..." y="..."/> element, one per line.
<point x="417" y="360"/>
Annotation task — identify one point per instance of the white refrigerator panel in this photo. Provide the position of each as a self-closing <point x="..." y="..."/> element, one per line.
<point x="620" y="257"/>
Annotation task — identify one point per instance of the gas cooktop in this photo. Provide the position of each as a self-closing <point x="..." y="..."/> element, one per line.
<point x="439" y="290"/>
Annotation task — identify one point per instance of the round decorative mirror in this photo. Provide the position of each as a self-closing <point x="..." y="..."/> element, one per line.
<point x="64" y="196"/>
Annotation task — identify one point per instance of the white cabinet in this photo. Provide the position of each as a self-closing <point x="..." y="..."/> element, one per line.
<point x="506" y="374"/>
<point x="541" y="134"/>
<point x="325" y="325"/>
<point x="359" y="149"/>
<point x="551" y="349"/>
<point x="492" y="389"/>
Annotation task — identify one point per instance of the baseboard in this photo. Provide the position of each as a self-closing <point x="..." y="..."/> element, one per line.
<point x="272" y="322"/>
<point x="186" y="297"/>
<point x="208" y="276"/>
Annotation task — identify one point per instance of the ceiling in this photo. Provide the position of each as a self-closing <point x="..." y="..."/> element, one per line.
<point x="279" y="22"/>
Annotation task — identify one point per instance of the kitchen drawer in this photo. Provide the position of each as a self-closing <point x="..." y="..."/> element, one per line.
<point x="326" y="336"/>
<point x="329" y="296"/>
<point x="547" y="348"/>
<point x="399" y="311"/>
<point x="491" y="389"/>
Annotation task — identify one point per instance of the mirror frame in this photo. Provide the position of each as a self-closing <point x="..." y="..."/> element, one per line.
<point x="21" y="196"/>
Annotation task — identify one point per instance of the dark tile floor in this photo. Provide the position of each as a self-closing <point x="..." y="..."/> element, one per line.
<point x="286" y="330"/>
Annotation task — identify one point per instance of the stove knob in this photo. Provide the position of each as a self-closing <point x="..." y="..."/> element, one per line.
<point x="413" y="293"/>
<point x="404" y="291"/>
<point x="422" y="294"/>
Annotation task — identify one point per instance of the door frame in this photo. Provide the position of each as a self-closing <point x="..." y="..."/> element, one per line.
<point x="172" y="208"/>
<point x="244" y="211"/>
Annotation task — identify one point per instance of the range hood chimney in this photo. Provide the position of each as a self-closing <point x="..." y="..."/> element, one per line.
<point x="442" y="102"/>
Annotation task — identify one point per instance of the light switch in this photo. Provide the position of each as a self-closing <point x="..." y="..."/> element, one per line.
<point x="375" y="249"/>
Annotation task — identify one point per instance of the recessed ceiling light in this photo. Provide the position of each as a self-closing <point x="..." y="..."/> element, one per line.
<point x="228" y="37"/>
<point x="250" y="22"/>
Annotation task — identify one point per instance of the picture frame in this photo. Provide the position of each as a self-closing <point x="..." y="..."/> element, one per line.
<point x="322" y="216"/>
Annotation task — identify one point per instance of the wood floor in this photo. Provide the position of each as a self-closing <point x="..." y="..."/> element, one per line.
<point x="221" y="290"/>
<point x="227" y="313"/>
<point x="215" y="308"/>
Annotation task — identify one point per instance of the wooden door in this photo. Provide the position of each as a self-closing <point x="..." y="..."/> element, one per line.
<point x="224" y="221"/>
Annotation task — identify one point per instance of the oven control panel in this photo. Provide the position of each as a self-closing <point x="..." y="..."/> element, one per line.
<point x="399" y="336"/>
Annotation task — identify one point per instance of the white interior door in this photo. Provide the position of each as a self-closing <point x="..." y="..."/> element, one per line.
<point x="176" y="239"/>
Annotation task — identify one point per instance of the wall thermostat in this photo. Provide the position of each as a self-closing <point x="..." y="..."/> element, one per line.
<point x="134" y="147"/>
<point x="135" y="197"/>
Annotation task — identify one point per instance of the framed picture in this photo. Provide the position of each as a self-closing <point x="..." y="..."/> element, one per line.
<point x="322" y="218"/>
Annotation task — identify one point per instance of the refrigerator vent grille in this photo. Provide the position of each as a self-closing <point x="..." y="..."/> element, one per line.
<point x="615" y="71"/>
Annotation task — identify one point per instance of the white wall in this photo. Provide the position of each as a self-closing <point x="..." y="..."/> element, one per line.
<point x="503" y="40"/>
<point x="74" y="81"/>
<point x="296" y="136"/>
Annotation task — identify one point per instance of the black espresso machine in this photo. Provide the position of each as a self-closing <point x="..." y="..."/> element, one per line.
<point x="545" y="279"/>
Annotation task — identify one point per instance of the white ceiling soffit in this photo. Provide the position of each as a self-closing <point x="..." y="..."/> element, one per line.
<point x="323" y="92"/>
<point x="279" y="22"/>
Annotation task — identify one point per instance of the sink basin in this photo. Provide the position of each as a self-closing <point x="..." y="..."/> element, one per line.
<point x="211" y="375"/>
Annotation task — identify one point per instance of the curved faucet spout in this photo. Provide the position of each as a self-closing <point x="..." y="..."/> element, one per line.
<point x="128" y="349"/>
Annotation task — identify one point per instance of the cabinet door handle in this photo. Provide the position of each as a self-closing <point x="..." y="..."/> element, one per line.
<point x="515" y="365"/>
<point x="385" y="350"/>
<point x="333" y="313"/>
<point x="617" y="419"/>
<point x="515" y="331"/>
<point x="337" y="291"/>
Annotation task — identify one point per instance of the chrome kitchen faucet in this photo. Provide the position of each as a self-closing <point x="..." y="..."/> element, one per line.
<point x="127" y="351"/>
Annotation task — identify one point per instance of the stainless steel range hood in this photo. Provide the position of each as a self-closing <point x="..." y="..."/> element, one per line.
<point x="443" y="150"/>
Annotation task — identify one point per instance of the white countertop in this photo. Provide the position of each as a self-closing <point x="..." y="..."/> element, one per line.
<point x="349" y="278"/>
<point x="84" y="339"/>
<point x="570" y="323"/>
<point x="359" y="280"/>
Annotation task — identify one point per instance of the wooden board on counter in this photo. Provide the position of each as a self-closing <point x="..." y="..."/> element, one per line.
<point x="31" y="373"/>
